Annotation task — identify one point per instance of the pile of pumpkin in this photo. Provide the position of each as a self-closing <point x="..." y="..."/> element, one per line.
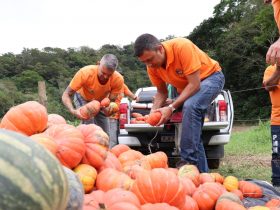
<point x="152" y="118"/>
<point x="38" y="168"/>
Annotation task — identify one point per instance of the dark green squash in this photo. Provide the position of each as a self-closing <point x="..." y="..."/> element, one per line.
<point x="76" y="198"/>
<point x="31" y="178"/>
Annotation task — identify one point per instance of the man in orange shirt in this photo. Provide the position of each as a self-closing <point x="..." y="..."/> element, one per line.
<point x="273" y="53"/>
<point x="198" y="80"/>
<point x="94" y="82"/>
<point x="271" y="82"/>
<point x="114" y="119"/>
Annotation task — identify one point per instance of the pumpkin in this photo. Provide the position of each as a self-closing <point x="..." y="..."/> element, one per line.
<point x="173" y="170"/>
<point x="115" y="199"/>
<point x="158" y="206"/>
<point x="28" y="118"/>
<point x="54" y="119"/>
<point x="154" y="118"/>
<point x="111" y="161"/>
<point x="191" y="172"/>
<point x="188" y="185"/>
<point x="46" y="141"/>
<point x="96" y="142"/>
<point x="110" y="178"/>
<point x="229" y="196"/>
<point x="190" y="204"/>
<point x="135" y="168"/>
<point x="105" y="102"/>
<point x="30" y="177"/>
<point x="229" y="205"/>
<point x="76" y="198"/>
<point x="230" y="183"/>
<point x="157" y="160"/>
<point x="111" y="109"/>
<point x="250" y="189"/>
<point x="135" y="114"/>
<point x="130" y="155"/>
<point x="217" y="177"/>
<point x="87" y="175"/>
<point x="207" y="194"/>
<point x="90" y="109"/>
<point x="274" y="202"/>
<point x="120" y="148"/>
<point x="238" y="193"/>
<point x="70" y="141"/>
<point x="205" y="177"/>
<point x="159" y="186"/>
<point x="141" y="118"/>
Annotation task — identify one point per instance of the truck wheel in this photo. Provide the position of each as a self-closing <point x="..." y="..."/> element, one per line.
<point x="213" y="163"/>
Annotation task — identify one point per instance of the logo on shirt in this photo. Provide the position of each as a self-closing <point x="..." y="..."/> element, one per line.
<point x="179" y="72"/>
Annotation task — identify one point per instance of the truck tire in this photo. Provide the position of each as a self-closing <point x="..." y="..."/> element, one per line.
<point x="213" y="163"/>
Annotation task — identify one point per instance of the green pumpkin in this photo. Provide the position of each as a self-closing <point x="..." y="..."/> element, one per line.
<point x="31" y="178"/>
<point x="76" y="198"/>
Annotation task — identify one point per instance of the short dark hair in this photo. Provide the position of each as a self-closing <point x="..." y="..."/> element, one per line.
<point x="145" y="42"/>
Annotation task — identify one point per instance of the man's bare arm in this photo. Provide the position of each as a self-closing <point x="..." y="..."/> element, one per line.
<point x="160" y="97"/>
<point x="66" y="99"/>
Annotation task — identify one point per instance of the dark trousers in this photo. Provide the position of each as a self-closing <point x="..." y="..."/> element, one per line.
<point x="275" y="161"/>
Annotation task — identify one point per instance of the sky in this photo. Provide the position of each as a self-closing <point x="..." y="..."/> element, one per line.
<point x="93" y="23"/>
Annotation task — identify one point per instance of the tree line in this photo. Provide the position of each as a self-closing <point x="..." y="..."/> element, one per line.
<point x="238" y="36"/>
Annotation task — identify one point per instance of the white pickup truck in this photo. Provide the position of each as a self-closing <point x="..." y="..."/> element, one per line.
<point x="145" y="138"/>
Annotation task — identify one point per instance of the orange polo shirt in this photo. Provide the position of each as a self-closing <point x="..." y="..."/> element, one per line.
<point x="276" y="8"/>
<point x="183" y="59"/>
<point x="274" y="97"/>
<point x="87" y="84"/>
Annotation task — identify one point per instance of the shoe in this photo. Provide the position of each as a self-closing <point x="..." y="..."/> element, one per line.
<point x="181" y="163"/>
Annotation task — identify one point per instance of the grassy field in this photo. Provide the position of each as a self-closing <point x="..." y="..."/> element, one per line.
<point x="248" y="154"/>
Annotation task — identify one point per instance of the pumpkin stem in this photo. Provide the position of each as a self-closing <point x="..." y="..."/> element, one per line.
<point x="102" y="206"/>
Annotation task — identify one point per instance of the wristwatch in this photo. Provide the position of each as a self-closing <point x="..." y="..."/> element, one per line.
<point x="172" y="107"/>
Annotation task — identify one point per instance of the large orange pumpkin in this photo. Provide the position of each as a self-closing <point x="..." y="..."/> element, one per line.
<point x="207" y="195"/>
<point x="250" y="189"/>
<point x="205" y="177"/>
<point x="188" y="185"/>
<point x="158" y="206"/>
<point x="96" y="141"/>
<point x="110" y="178"/>
<point x="54" y="119"/>
<point x="159" y="186"/>
<point x="87" y="174"/>
<point x="28" y="118"/>
<point x="47" y="141"/>
<point x="191" y="172"/>
<point x="157" y="160"/>
<point x="218" y="177"/>
<point x="274" y="202"/>
<point x="71" y="146"/>
<point x="229" y="205"/>
<point x="90" y="109"/>
<point x="120" y="148"/>
<point x="153" y="118"/>
<point x="130" y="155"/>
<point x="190" y="204"/>
<point x="111" y="161"/>
<point x="115" y="199"/>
